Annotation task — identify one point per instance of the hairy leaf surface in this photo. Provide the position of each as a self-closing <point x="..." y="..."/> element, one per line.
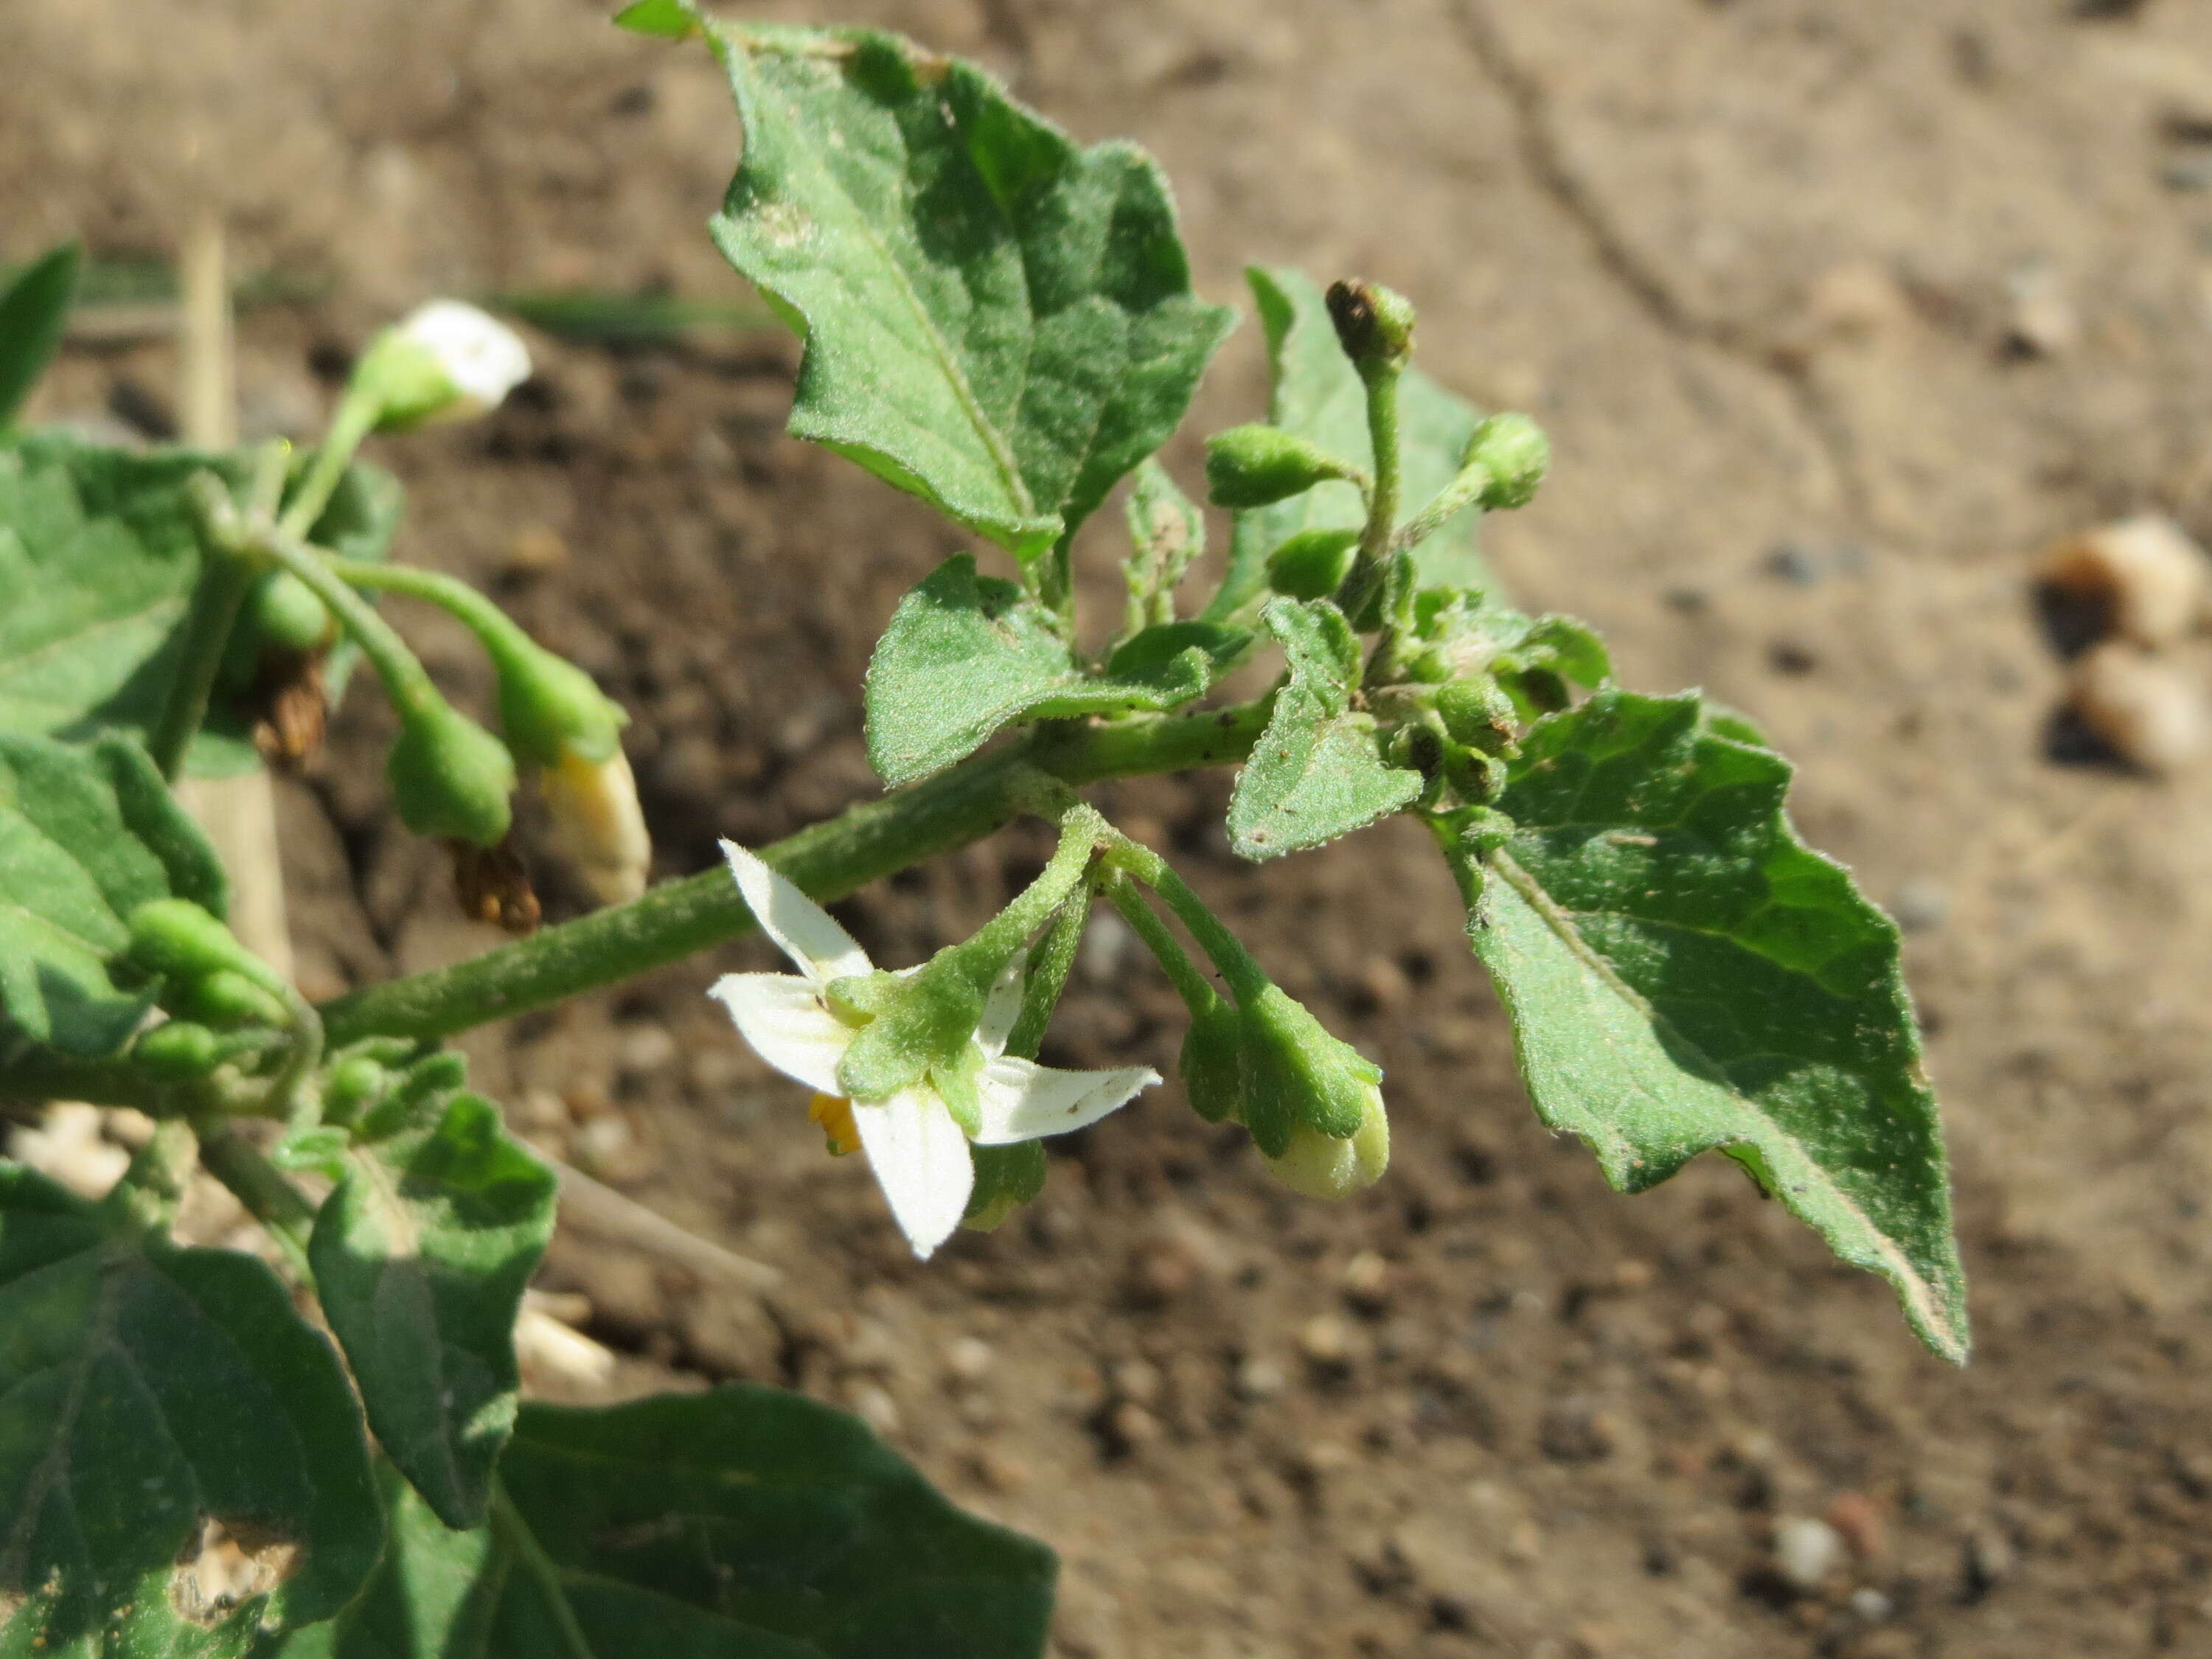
<point x="996" y="320"/>
<point x="421" y="1256"/>
<point x="87" y="832"/>
<point x="745" y="1523"/>
<point x="1683" y="973"/>
<point x="180" y="1455"/>
<point x="965" y="656"/>
<point x="98" y="558"/>
<point x="1316" y="772"/>
<point x="1317" y="394"/>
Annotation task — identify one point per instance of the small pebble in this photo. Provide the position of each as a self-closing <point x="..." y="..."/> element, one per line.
<point x="1795" y="564"/>
<point x="1327" y="1341"/>
<point x="536" y="550"/>
<point x="647" y="1049"/>
<point x="2042" y="321"/>
<point x="1805" y="1552"/>
<point x="1367" y="1281"/>
<point x="1857" y="1520"/>
<point x="1260" y="1379"/>
<point x="2144" y="579"/>
<point x="2149" y="711"/>
<point x="874" y="1407"/>
<point x="1989" y="1562"/>
<point x="970" y="1359"/>
<point x="1923" y="903"/>
<point x="1871" y="1605"/>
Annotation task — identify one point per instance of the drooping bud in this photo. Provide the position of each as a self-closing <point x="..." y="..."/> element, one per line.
<point x="1211" y="1064"/>
<point x="1257" y="464"/>
<point x="556" y="718"/>
<point x="1295" y="1072"/>
<point x="446" y="361"/>
<point x="178" y="940"/>
<point x="1313" y="564"/>
<point x="450" y="778"/>
<point x="226" y="1000"/>
<point x="601" y="826"/>
<point x="1514" y="451"/>
<point x="1374" y="324"/>
<point x="1325" y="1166"/>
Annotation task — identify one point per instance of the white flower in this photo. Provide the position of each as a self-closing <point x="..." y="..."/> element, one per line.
<point x="481" y="357"/>
<point x="918" y="1151"/>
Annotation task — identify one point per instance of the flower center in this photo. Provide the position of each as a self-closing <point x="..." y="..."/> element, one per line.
<point x="834" y="1113"/>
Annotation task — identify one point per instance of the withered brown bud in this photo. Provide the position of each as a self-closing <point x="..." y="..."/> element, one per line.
<point x="492" y="885"/>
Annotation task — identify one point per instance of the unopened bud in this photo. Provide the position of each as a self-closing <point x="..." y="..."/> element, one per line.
<point x="1514" y="451"/>
<point x="450" y="778"/>
<point x="1313" y="564"/>
<point x="179" y="1050"/>
<point x="444" y="361"/>
<point x="1325" y="1166"/>
<point x="226" y="1000"/>
<point x="1374" y="324"/>
<point x="1212" y="1065"/>
<point x="1295" y="1072"/>
<point x="1255" y="466"/>
<point x="1479" y="713"/>
<point x="178" y="940"/>
<point x="601" y="826"/>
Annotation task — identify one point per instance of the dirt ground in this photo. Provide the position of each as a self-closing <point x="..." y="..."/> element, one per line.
<point x="1753" y="264"/>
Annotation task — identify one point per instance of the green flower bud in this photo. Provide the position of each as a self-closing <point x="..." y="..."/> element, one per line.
<point x="1313" y="564"/>
<point x="178" y="940"/>
<point x="178" y="1051"/>
<point x="1479" y="713"/>
<point x="1374" y="324"/>
<point x="1295" y="1072"/>
<point x="1255" y="466"/>
<point x="353" y="1085"/>
<point x="1325" y="1166"/>
<point x="286" y="616"/>
<point x="226" y="1000"/>
<point x="921" y="1022"/>
<point x="450" y="778"/>
<point x="550" y="708"/>
<point x="1212" y="1065"/>
<point x="1514" y="451"/>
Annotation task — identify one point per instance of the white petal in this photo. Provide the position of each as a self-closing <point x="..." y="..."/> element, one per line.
<point x="921" y="1161"/>
<point x="1023" y="1100"/>
<point x="782" y="1017"/>
<point x="1002" y="1008"/>
<point x="809" y="934"/>
<point x="483" y="357"/>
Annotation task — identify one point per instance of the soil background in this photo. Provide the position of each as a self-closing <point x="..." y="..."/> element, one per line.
<point x="1752" y="264"/>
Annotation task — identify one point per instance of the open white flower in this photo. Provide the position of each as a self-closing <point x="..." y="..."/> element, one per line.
<point x="481" y="357"/>
<point x="917" y="1150"/>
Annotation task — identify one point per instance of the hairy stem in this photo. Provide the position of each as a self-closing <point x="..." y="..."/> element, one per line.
<point x="268" y="1196"/>
<point x="217" y="597"/>
<point x="827" y="860"/>
<point x="1191" y="985"/>
<point x="354" y="420"/>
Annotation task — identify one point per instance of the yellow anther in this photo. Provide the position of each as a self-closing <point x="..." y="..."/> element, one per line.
<point x="834" y="1113"/>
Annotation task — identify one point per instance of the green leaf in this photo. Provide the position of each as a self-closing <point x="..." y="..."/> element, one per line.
<point x="1167" y="532"/>
<point x="1318" y="395"/>
<point x="1683" y="973"/>
<point x="33" y="311"/>
<point x="996" y="320"/>
<point x="1316" y="772"/>
<point x="744" y="1523"/>
<point x="87" y="835"/>
<point x="421" y="1255"/>
<point x="670" y="20"/>
<point x="965" y="656"/>
<point x="148" y="1396"/>
<point x="98" y="558"/>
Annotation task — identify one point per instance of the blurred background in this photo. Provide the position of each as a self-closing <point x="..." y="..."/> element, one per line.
<point x="1840" y="317"/>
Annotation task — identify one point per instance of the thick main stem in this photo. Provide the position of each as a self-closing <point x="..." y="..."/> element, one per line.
<point x="826" y="860"/>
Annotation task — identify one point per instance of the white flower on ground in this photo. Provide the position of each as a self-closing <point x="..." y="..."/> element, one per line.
<point x="481" y="357"/>
<point x="918" y="1151"/>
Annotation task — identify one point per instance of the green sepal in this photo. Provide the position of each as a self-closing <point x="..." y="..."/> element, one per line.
<point x="1295" y="1072"/>
<point x="450" y="778"/>
<point x="1006" y="1177"/>
<point x="1212" y="1063"/>
<point x="1513" y="451"/>
<point x="922" y="1022"/>
<point x="1258" y="464"/>
<point x="549" y="707"/>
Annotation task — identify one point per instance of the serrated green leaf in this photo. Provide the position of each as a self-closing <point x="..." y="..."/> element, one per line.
<point x="421" y="1255"/>
<point x="966" y="656"/>
<point x="1316" y="772"/>
<point x="744" y="1523"/>
<point x="148" y="1394"/>
<point x="996" y="320"/>
<point x="32" y="312"/>
<point x="98" y="558"/>
<point x="1683" y="974"/>
<point x="1318" y="395"/>
<point x="87" y="835"/>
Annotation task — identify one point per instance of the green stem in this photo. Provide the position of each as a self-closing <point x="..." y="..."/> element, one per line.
<point x="491" y="625"/>
<point x="406" y="681"/>
<point x="301" y="1106"/>
<point x="225" y="580"/>
<point x="355" y="419"/>
<point x="268" y="1196"/>
<point x="1245" y="976"/>
<point x="1370" y="569"/>
<point x="1049" y="968"/>
<point x="827" y="860"/>
<point x="994" y="943"/>
<point x="1197" y="995"/>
